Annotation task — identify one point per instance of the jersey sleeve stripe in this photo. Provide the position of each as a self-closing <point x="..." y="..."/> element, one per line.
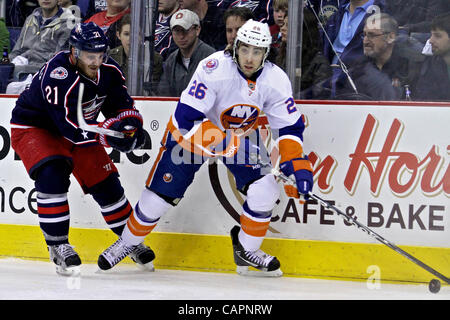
<point x="66" y="100"/>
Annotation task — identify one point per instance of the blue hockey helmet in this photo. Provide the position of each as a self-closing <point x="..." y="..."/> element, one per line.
<point x="88" y="37"/>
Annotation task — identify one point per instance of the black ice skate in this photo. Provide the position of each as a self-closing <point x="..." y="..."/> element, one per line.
<point x="143" y="256"/>
<point x="269" y="265"/>
<point x="114" y="254"/>
<point x="66" y="259"/>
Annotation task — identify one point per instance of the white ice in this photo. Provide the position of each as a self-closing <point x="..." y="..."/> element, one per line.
<point x="37" y="280"/>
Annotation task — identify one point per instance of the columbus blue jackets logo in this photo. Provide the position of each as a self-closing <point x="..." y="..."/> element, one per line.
<point x="91" y="108"/>
<point x="240" y="116"/>
<point x="326" y="12"/>
<point x="59" y="73"/>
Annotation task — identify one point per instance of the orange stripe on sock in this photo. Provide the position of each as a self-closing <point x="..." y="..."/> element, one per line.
<point x="254" y="228"/>
<point x="137" y="229"/>
<point x="53" y="210"/>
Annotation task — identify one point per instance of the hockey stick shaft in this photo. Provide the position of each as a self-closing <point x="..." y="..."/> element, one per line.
<point x="86" y="127"/>
<point x="370" y="232"/>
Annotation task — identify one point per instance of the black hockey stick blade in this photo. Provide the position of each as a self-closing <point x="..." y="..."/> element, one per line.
<point x="94" y="128"/>
<point x="370" y="232"/>
<point x="362" y="227"/>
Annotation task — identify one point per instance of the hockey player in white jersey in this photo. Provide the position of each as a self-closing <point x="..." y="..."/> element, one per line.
<point x="215" y="117"/>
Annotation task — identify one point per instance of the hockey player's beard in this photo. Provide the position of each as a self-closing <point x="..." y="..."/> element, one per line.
<point x="89" y="71"/>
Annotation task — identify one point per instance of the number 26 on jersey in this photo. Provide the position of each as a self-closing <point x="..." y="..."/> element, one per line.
<point x="198" y="90"/>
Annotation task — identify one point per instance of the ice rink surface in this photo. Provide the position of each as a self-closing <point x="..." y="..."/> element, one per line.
<point x="37" y="280"/>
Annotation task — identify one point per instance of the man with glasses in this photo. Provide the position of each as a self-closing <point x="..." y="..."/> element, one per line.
<point x="181" y="64"/>
<point x="390" y="64"/>
<point x="46" y="135"/>
<point x="342" y="41"/>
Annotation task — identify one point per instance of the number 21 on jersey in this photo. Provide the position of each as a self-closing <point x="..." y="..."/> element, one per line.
<point x="48" y="94"/>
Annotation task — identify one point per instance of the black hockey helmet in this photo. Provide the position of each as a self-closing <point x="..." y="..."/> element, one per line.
<point x="88" y="37"/>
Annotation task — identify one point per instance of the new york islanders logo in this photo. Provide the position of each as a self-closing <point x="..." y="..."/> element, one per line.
<point x="240" y="117"/>
<point x="211" y="65"/>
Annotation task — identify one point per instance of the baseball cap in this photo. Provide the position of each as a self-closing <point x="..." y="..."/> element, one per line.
<point x="184" y="18"/>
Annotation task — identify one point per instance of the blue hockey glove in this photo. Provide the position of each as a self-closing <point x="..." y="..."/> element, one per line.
<point x="301" y="169"/>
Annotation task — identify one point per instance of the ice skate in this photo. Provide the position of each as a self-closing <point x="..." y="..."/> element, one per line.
<point x="66" y="259"/>
<point x="114" y="254"/>
<point x="143" y="256"/>
<point x="268" y="265"/>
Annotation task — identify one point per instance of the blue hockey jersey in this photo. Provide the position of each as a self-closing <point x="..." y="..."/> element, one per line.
<point x="50" y="102"/>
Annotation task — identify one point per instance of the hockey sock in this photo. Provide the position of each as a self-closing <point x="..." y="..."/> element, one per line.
<point x="254" y="226"/>
<point x="138" y="227"/>
<point x="116" y="214"/>
<point x="144" y="218"/>
<point x="114" y="205"/>
<point x="54" y="218"/>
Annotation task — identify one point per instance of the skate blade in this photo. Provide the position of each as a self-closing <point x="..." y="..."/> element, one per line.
<point x="146" y="267"/>
<point x="244" y="271"/>
<point x="74" y="271"/>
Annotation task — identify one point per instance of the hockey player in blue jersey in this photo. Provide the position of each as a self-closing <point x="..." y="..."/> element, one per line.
<point x="217" y="117"/>
<point x="46" y="135"/>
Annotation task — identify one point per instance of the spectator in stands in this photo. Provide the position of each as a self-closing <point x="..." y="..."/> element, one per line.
<point x="4" y="36"/>
<point x="18" y="10"/>
<point x="45" y="32"/>
<point x="211" y="21"/>
<point x="416" y="15"/>
<point x="181" y="64"/>
<point x="234" y="18"/>
<point x="324" y="8"/>
<point x="262" y="9"/>
<point x="399" y="58"/>
<point x="280" y="11"/>
<point x="390" y="64"/>
<point x="91" y="7"/>
<point x="374" y="74"/>
<point x="120" y="54"/>
<point x="434" y="78"/>
<point x="344" y="30"/>
<point x="115" y="10"/>
<point x="164" y="44"/>
<point x="315" y="67"/>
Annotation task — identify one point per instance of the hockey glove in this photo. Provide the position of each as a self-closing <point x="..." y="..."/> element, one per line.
<point x="301" y="169"/>
<point x="129" y="123"/>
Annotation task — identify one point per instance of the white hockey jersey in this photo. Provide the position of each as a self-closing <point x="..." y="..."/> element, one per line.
<point x="220" y="92"/>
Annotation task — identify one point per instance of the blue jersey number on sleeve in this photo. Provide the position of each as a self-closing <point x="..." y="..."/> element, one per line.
<point x="290" y="105"/>
<point x="198" y="90"/>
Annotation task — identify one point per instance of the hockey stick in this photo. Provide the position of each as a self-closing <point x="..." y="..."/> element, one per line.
<point x="362" y="227"/>
<point x="94" y="128"/>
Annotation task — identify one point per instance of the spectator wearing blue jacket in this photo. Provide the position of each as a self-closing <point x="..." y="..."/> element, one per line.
<point x="344" y="30"/>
